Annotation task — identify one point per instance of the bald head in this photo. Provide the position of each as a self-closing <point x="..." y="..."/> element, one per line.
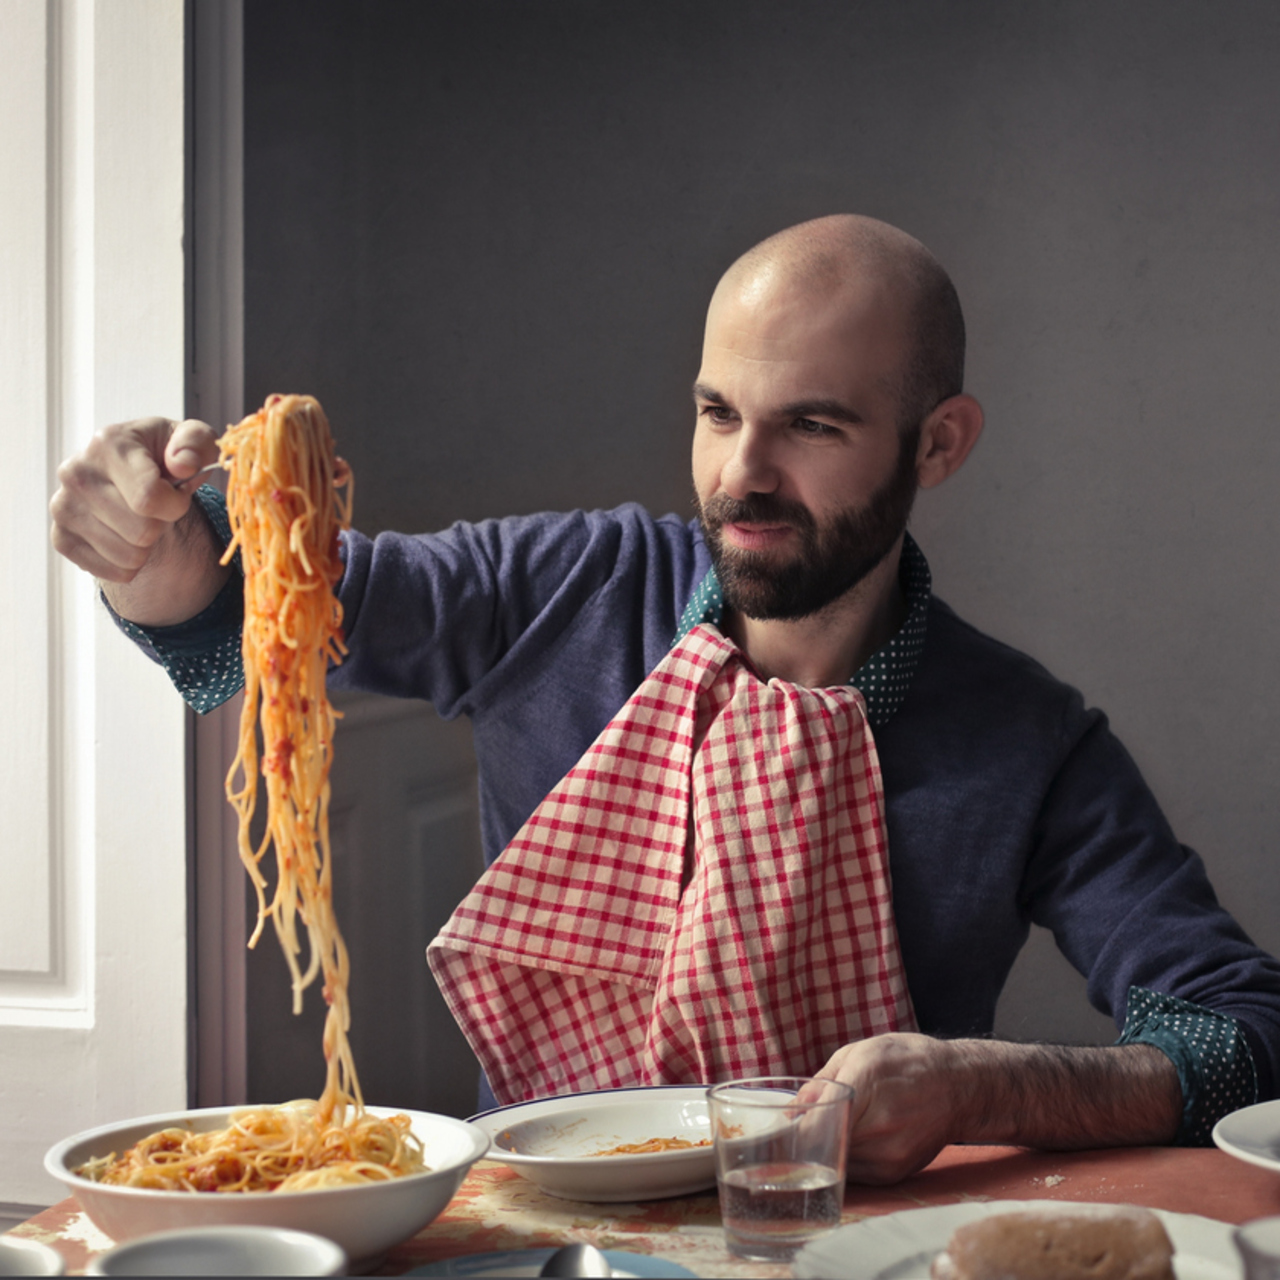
<point x="846" y="254"/>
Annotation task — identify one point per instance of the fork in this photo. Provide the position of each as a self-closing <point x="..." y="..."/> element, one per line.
<point x="195" y="475"/>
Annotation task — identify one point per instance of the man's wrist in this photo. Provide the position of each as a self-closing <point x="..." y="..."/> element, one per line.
<point x="1061" y="1096"/>
<point x="182" y="576"/>
<point x="979" y="1081"/>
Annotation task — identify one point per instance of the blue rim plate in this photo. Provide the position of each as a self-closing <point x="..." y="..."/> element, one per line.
<point x="593" y="1093"/>
<point x="560" y="1143"/>
<point x="527" y="1262"/>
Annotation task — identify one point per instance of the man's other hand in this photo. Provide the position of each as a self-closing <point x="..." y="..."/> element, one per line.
<point x="903" y="1111"/>
<point x="913" y="1095"/>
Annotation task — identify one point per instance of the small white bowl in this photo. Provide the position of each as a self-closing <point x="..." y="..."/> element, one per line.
<point x="223" y="1251"/>
<point x="364" y="1220"/>
<point x="556" y="1142"/>
<point x="22" y="1257"/>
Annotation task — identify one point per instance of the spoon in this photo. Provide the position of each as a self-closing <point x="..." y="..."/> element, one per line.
<point x="577" y="1260"/>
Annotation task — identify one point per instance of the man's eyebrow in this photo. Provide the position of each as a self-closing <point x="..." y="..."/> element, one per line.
<point x="821" y="409"/>
<point x="832" y="409"/>
<point x="703" y="392"/>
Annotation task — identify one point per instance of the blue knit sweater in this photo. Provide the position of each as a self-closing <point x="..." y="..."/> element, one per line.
<point x="1008" y="802"/>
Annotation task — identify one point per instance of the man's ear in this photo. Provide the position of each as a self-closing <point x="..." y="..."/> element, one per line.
<point x="946" y="436"/>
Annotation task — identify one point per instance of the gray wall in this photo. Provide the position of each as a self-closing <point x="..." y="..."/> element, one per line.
<point x="483" y="232"/>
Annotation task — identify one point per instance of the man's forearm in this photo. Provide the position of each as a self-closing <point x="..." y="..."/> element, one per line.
<point x="181" y="577"/>
<point x="1062" y="1097"/>
<point x="914" y="1094"/>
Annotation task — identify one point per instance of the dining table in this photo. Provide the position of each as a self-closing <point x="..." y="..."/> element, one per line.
<point x="496" y="1209"/>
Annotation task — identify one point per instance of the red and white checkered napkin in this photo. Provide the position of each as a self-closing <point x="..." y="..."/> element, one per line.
<point x="595" y="953"/>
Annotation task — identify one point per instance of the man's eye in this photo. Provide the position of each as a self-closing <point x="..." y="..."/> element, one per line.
<point x="808" y="427"/>
<point x="717" y="413"/>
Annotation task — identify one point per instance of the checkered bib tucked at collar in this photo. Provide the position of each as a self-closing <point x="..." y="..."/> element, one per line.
<point x="607" y="947"/>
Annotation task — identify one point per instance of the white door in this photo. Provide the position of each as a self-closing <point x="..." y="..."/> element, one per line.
<point x="93" y="742"/>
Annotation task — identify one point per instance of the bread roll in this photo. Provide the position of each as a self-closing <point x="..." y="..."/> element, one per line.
<point x="1073" y="1242"/>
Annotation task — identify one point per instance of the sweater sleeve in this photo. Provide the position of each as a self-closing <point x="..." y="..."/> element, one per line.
<point x="1135" y="912"/>
<point x="477" y="615"/>
<point x="449" y="616"/>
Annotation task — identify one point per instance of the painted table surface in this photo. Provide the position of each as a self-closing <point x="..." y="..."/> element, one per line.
<point x="496" y="1209"/>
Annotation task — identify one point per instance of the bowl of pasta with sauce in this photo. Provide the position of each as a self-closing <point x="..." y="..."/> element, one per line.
<point x="426" y="1158"/>
<point x="608" y="1146"/>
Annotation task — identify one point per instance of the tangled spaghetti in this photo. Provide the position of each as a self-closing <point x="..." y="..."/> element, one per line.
<point x="285" y="515"/>
<point x="287" y="498"/>
<point x="282" y="1148"/>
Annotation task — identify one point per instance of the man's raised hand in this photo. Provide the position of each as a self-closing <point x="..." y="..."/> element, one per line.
<point x="120" y="514"/>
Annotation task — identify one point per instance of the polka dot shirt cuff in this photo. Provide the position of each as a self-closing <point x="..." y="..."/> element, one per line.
<point x="201" y="655"/>
<point x="1208" y="1050"/>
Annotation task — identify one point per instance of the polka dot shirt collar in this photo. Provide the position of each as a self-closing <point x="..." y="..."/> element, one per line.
<point x="884" y="679"/>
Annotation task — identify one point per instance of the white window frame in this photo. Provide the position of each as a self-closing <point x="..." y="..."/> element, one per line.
<point x="94" y="744"/>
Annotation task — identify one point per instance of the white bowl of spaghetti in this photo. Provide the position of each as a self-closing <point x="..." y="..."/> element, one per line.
<point x="366" y="1218"/>
<point x="608" y="1146"/>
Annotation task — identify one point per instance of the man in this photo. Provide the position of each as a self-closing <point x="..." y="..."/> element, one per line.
<point x="830" y="389"/>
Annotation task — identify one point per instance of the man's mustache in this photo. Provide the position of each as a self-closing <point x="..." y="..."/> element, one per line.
<point x="756" y="508"/>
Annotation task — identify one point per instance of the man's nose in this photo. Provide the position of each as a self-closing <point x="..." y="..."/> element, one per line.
<point x="751" y="467"/>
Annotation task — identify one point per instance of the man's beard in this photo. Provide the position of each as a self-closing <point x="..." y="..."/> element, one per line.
<point x="832" y="559"/>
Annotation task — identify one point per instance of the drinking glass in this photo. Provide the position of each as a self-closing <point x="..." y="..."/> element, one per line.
<point x="780" y="1144"/>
